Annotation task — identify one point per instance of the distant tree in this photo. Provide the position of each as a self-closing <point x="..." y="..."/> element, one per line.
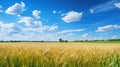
<point x="86" y="40"/>
<point x="41" y="41"/>
<point x="60" y="40"/>
<point x="14" y="41"/>
<point x="65" y="40"/>
<point x="1" y="41"/>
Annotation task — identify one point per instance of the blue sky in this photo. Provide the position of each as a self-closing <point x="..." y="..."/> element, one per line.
<point x="50" y="20"/>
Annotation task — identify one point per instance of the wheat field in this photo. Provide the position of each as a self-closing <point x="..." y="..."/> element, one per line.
<point x="59" y="54"/>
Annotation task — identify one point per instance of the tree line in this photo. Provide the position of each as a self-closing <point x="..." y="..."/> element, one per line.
<point x="63" y="40"/>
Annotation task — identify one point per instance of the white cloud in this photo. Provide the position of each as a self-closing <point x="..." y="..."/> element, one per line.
<point x="54" y="11"/>
<point x="62" y="14"/>
<point x="107" y="28"/>
<point x="42" y="28"/>
<point x="114" y="37"/>
<point x="105" y="6"/>
<point x="70" y="31"/>
<point x="32" y="29"/>
<point x="47" y="37"/>
<point x="60" y="11"/>
<point x="29" y="21"/>
<point x="0" y="9"/>
<point x="72" y="16"/>
<point x="85" y="35"/>
<point x="91" y="10"/>
<point x="16" y="9"/>
<point x="50" y="28"/>
<point x="9" y="28"/>
<point x="117" y="5"/>
<point x="36" y="13"/>
<point x="69" y="35"/>
<point x="0" y="6"/>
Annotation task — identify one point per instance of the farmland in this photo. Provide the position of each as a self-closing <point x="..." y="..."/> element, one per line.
<point x="29" y="54"/>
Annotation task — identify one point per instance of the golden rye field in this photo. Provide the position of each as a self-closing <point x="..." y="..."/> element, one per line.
<point x="59" y="55"/>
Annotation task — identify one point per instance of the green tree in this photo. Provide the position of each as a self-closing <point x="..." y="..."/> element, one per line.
<point x="65" y="40"/>
<point x="60" y="40"/>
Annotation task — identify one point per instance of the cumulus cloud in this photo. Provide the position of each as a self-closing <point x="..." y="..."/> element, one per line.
<point x="117" y="5"/>
<point x="9" y="28"/>
<point x="70" y="31"/>
<point x="36" y="13"/>
<point x="16" y="9"/>
<point x="72" y="16"/>
<point x="42" y="28"/>
<point x="29" y="21"/>
<point x="107" y="28"/>
<point x="32" y="29"/>
<point x="50" y="28"/>
<point x="91" y="10"/>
